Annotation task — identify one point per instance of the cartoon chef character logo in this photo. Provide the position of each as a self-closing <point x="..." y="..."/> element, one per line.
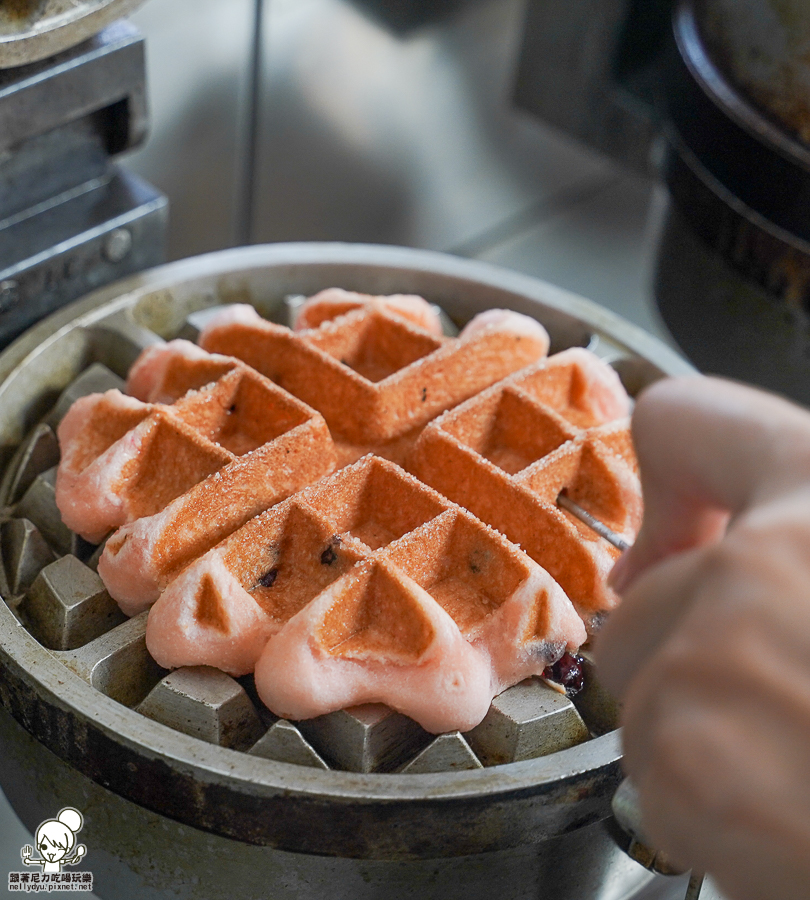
<point x="56" y="841"/>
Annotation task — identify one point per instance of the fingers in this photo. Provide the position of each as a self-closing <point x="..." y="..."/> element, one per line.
<point x="719" y="764"/>
<point x="650" y="610"/>
<point x="708" y="449"/>
<point x="709" y="648"/>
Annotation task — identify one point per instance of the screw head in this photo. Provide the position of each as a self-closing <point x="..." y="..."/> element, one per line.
<point x="8" y="293"/>
<point x="118" y="245"/>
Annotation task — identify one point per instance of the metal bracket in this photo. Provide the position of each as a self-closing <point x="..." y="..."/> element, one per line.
<point x="102" y="71"/>
<point x="70" y="221"/>
<point x="590" y="67"/>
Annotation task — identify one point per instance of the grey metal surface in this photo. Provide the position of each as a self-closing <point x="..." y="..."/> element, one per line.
<point x="527" y="721"/>
<point x="243" y="796"/>
<point x="38" y="505"/>
<point x="627" y="814"/>
<point x="708" y="891"/>
<point x="283" y="742"/>
<point x="586" y="518"/>
<point x="69" y="221"/>
<point x="31" y="30"/>
<point x="95" y="379"/>
<point x="68" y="605"/>
<point x="368" y="738"/>
<point x="25" y="553"/>
<point x="204" y="703"/>
<point x="400" y="139"/>
<point x="165" y="859"/>
<point x="58" y="254"/>
<point x="117" y="343"/>
<point x="40" y="451"/>
<point x="573" y="57"/>
<point x="198" y="68"/>
<point x="117" y="663"/>
<point x="445" y="753"/>
<point x="352" y="115"/>
<point x="42" y="96"/>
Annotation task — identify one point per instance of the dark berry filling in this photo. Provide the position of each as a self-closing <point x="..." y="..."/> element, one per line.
<point x="568" y="671"/>
<point x="330" y="554"/>
<point x="269" y="578"/>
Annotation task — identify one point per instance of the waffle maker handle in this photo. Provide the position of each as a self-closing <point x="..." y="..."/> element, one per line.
<point x="627" y="830"/>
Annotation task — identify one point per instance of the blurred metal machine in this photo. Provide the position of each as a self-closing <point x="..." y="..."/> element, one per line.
<point x="70" y="219"/>
<point x="713" y="95"/>
<point x="733" y="280"/>
<point x="594" y="68"/>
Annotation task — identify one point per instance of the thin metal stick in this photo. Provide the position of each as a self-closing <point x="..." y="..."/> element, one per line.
<point x="602" y="530"/>
<point x="695" y="885"/>
<point x="247" y="188"/>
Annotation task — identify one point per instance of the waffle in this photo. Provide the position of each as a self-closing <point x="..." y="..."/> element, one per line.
<point x="226" y="450"/>
<point x="334" y="302"/>
<point x="206" y="412"/>
<point x="376" y="378"/>
<point x="507" y="454"/>
<point x="368" y="585"/>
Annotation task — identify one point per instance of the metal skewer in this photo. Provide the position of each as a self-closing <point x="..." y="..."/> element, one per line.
<point x="602" y="530"/>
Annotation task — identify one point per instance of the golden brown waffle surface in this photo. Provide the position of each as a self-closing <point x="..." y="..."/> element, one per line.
<point x="370" y="585"/>
<point x="375" y="377"/>
<point x="175" y="479"/>
<point x="507" y="455"/>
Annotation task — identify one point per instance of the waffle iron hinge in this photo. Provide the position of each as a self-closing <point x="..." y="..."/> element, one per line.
<point x="70" y="219"/>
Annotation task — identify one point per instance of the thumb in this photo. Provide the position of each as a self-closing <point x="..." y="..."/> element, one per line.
<point x="708" y="449"/>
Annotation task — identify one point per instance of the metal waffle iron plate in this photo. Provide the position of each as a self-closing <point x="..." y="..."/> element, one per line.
<point x="187" y="787"/>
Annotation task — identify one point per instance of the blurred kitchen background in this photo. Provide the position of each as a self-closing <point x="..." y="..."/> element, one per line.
<point x="384" y="122"/>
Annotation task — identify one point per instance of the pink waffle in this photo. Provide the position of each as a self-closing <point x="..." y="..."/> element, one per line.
<point x="507" y="454"/>
<point x="368" y="587"/>
<point x="218" y="456"/>
<point x="334" y="302"/>
<point x="376" y="377"/>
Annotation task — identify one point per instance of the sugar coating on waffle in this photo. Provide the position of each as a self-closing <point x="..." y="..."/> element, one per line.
<point x="507" y="454"/>
<point x="225" y="450"/>
<point x="204" y="442"/>
<point x="334" y="302"/>
<point x="376" y="377"/>
<point x="368" y="587"/>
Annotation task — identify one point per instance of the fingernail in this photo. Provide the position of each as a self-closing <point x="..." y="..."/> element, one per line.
<point x="621" y="574"/>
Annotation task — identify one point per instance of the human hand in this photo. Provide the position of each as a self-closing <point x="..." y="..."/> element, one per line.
<point x="26" y="853"/>
<point x="710" y="648"/>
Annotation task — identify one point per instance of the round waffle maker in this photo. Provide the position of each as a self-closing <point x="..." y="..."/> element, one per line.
<point x="187" y="809"/>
